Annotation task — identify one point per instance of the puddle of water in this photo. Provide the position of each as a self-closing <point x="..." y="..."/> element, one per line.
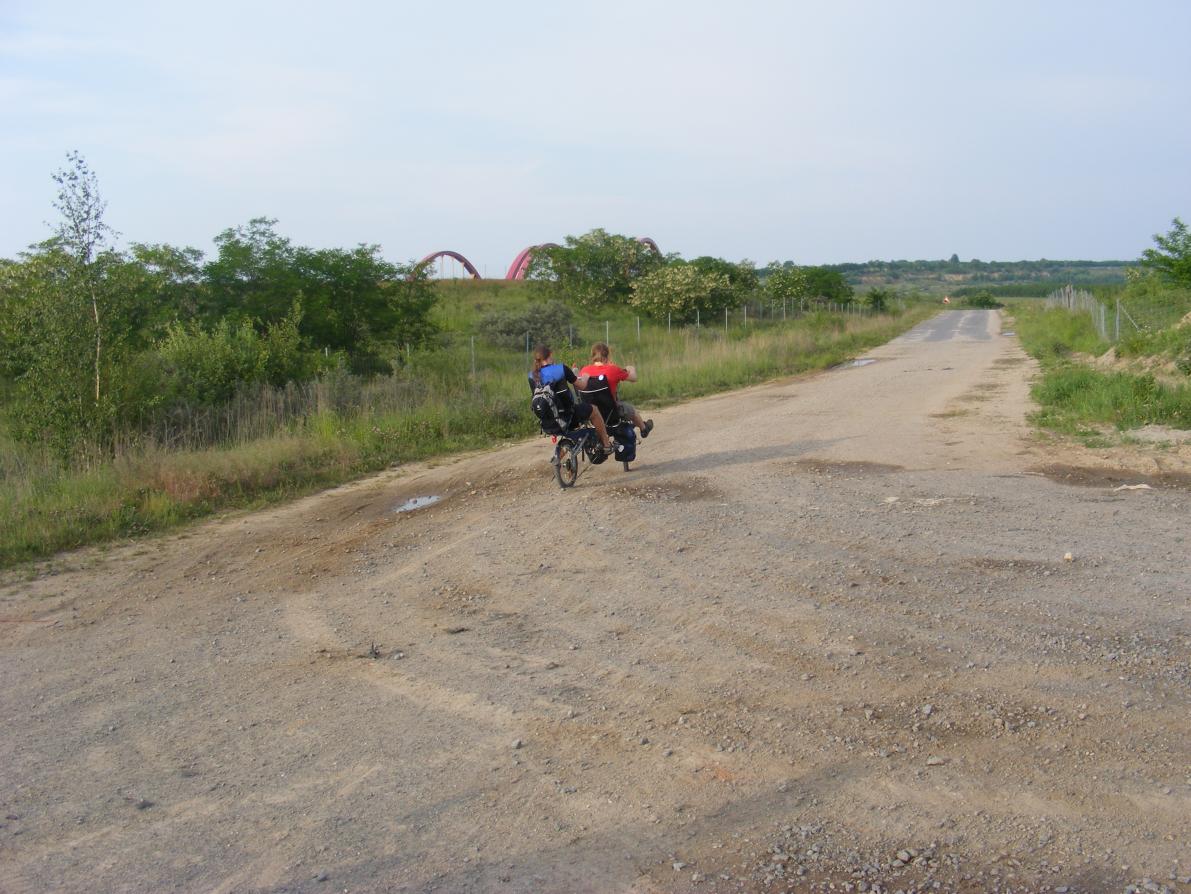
<point x="863" y="361"/>
<point x="1009" y="333"/>
<point x="417" y="503"/>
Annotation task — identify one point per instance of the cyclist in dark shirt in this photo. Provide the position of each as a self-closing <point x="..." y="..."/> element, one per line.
<point x="546" y="370"/>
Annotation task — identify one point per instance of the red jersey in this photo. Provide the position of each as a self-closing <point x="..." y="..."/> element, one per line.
<point x="614" y="374"/>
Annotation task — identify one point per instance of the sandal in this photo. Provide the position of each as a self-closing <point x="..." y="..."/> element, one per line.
<point x="647" y="428"/>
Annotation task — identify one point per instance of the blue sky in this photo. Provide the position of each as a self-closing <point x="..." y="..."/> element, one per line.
<point x="805" y="131"/>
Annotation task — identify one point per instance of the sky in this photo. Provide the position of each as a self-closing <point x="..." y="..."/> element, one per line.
<point x="803" y="131"/>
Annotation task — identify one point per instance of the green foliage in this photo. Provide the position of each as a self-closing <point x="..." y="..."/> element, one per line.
<point x="826" y="284"/>
<point x="1054" y="333"/>
<point x="785" y="282"/>
<point x="1037" y="289"/>
<point x="741" y="277"/>
<point x="545" y="323"/>
<point x="595" y="269"/>
<point x="681" y="289"/>
<point x="66" y="393"/>
<point x="876" y="299"/>
<point x="1172" y="258"/>
<point x="1073" y="394"/>
<point x="353" y="301"/>
<point x="983" y="300"/>
<point x="206" y="366"/>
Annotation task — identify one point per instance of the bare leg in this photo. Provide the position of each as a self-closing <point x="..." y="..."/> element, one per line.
<point x="597" y="420"/>
<point x="640" y="423"/>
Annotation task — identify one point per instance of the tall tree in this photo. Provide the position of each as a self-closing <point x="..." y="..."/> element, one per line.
<point x="82" y="233"/>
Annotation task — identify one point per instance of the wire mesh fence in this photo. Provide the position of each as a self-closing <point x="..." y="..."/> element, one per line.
<point x="1107" y="319"/>
<point x="1136" y="309"/>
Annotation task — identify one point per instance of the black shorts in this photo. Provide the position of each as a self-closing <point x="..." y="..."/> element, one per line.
<point x="581" y="413"/>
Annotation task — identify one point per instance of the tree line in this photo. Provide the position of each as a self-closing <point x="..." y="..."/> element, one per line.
<point x="601" y="269"/>
<point x="95" y="340"/>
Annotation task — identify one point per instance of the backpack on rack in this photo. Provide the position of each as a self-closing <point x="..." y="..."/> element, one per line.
<point x="545" y="406"/>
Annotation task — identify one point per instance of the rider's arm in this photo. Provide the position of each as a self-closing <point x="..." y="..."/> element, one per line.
<point x="579" y="382"/>
<point x="632" y="373"/>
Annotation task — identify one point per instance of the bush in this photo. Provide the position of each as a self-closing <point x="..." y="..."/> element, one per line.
<point x="982" y="300"/>
<point x="877" y="300"/>
<point x="549" y="323"/>
<point x="681" y="289"/>
<point x="199" y="366"/>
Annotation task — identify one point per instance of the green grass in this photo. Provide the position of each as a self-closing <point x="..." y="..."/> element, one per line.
<point x="1073" y="395"/>
<point x="1074" y="398"/>
<point x="1053" y="333"/>
<point x="431" y="408"/>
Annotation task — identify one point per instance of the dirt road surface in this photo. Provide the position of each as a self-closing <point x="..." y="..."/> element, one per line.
<point x="854" y="629"/>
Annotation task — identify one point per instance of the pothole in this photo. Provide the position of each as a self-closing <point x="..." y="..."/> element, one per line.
<point x="415" y="503"/>
<point x="685" y="490"/>
<point x="1091" y="476"/>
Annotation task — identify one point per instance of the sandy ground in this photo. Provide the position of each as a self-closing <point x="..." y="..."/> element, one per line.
<point x="853" y="631"/>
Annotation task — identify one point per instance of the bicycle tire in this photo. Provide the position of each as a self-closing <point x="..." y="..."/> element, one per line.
<point x="566" y="465"/>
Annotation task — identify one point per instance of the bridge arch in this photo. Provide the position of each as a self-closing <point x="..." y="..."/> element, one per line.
<point x="467" y="265"/>
<point x="520" y="265"/>
<point x="645" y="240"/>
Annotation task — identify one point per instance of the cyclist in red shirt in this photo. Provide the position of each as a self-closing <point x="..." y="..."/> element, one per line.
<point x="601" y="365"/>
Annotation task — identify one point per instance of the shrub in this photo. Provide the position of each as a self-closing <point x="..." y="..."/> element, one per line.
<point x="549" y="323"/>
<point x="681" y="289"/>
<point x="200" y="366"/>
<point x="983" y="300"/>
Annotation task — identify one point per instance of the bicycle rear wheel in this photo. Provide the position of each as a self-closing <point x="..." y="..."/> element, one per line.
<point x="566" y="464"/>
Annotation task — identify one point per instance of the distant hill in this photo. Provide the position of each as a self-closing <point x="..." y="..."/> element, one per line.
<point x="960" y="277"/>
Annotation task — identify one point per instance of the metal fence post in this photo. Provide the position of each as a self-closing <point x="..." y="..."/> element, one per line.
<point x="607" y="336"/>
<point x="638" y="329"/>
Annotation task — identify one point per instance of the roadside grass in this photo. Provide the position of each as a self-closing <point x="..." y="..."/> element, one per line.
<point x="1053" y="333"/>
<point x="432" y="408"/>
<point x="1078" y="400"/>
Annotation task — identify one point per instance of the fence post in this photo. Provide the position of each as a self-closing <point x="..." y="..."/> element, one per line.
<point x="725" y="321"/>
<point x="638" y="329"/>
<point x="667" y="322"/>
<point x="1118" y="338"/>
<point x="783" y="307"/>
<point x="607" y="337"/>
<point x="746" y="315"/>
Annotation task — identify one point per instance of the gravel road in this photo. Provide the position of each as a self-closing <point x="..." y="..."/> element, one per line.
<point x="859" y="629"/>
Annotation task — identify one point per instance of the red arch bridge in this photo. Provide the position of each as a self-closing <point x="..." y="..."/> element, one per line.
<point x="520" y="265"/>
